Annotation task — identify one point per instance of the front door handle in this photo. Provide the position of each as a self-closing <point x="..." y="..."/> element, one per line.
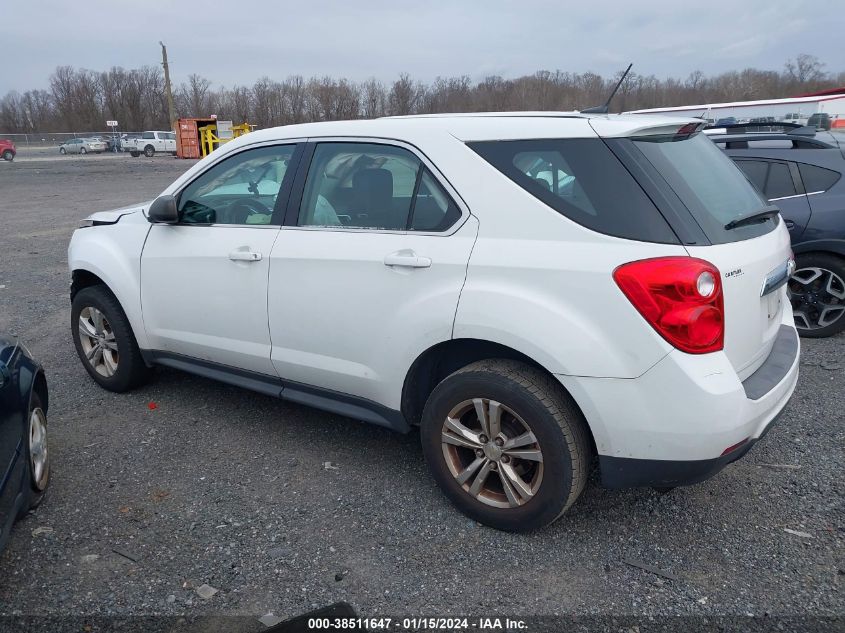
<point x="245" y="256"/>
<point x="407" y="259"/>
<point x="789" y="224"/>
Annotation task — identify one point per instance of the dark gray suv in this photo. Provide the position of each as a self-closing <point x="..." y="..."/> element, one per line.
<point x="800" y="170"/>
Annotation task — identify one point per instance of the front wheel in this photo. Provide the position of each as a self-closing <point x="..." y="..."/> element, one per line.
<point x="104" y="340"/>
<point x="149" y="151"/>
<point x="82" y="150"/>
<point x="506" y="444"/>
<point x="817" y="293"/>
<point x="8" y="155"/>
<point x="134" y="154"/>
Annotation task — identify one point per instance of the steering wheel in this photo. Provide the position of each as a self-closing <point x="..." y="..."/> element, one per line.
<point x="246" y="207"/>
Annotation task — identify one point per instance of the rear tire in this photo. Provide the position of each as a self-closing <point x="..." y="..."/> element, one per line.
<point x="104" y="340"/>
<point x="134" y="154"/>
<point x="62" y="151"/>
<point x="532" y="467"/>
<point x="149" y="151"/>
<point x="37" y="456"/>
<point x="8" y="155"/>
<point x="817" y="294"/>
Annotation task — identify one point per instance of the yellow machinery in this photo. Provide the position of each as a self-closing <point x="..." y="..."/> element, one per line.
<point x="211" y="138"/>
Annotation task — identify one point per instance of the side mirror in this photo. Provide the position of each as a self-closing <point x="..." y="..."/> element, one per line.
<point x="163" y="210"/>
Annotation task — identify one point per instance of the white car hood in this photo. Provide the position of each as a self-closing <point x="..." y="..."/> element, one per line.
<point x="111" y="217"/>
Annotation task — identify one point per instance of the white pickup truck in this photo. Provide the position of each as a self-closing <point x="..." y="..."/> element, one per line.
<point x="152" y="142"/>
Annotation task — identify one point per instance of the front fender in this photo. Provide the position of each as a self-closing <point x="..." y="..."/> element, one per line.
<point x="113" y="253"/>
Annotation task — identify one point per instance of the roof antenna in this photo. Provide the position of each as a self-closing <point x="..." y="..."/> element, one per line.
<point x="602" y="109"/>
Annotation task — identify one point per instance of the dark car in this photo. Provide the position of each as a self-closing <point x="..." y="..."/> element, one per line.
<point x="728" y="120"/>
<point x="7" y="149"/>
<point x="820" y="120"/>
<point x="24" y="461"/>
<point x="800" y="170"/>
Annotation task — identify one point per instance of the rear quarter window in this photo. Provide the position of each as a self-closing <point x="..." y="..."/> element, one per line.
<point x="817" y="179"/>
<point x="582" y="180"/>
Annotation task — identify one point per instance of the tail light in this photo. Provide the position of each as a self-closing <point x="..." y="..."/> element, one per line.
<point x="680" y="297"/>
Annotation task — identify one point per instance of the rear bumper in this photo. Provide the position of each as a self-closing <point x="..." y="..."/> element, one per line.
<point x="623" y="472"/>
<point x="672" y="425"/>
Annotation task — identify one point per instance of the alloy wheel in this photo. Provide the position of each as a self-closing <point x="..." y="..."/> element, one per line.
<point x="38" y="459"/>
<point x="817" y="296"/>
<point x="98" y="341"/>
<point x="492" y="453"/>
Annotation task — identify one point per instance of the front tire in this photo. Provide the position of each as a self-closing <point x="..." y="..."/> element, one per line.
<point x="817" y="293"/>
<point x="83" y="151"/>
<point x="104" y="340"/>
<point x="8" y="155"/>
<point x="149" y="151"/>
<point x="134" y="154"/>
<point x="506" y="444"/>
<point x="37" y="456"/>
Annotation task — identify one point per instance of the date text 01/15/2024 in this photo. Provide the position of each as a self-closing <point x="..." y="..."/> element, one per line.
<point x="416" y="624"/>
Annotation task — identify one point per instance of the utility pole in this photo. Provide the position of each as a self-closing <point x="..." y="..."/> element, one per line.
<point x="171" y="112"/>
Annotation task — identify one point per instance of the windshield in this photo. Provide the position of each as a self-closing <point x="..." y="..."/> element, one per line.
<point x="708" y="183"/>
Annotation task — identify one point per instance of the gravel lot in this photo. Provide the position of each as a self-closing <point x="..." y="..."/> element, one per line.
<point x="228" y="488"/>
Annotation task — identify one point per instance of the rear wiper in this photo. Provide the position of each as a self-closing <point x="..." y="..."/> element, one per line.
<point x="752" y="218"/>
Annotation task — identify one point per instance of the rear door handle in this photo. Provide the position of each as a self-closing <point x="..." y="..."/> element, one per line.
<point x="789" y="224"/>
<point x="407" y="259"/>
<point x="245" y="256"/>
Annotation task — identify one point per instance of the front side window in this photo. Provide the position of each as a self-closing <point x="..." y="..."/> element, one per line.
<point x="242" y="189"/>
<point x="373" y="186"/>
<point x="148" y="135"/>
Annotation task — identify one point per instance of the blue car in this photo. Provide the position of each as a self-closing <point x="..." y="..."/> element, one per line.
<point x="24" y="460"/>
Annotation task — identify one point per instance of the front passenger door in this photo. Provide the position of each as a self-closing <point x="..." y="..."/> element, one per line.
<point x="204" y="280"/>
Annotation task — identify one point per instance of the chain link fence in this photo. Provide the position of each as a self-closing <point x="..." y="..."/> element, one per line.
<point x="48" y="139"/>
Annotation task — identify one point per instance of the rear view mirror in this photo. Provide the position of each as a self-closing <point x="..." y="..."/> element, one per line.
<point x="163" y="209"/>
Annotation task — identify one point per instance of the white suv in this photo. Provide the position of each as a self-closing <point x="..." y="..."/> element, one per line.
<point x="532" y="290"/>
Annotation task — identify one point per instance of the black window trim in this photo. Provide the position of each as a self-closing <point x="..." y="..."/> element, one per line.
<point x="284" y="192"/>
<point x="294" y="202"/>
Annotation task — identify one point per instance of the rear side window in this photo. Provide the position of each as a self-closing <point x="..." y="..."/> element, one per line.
<point x="708" y="184"/>
<point x="771" y="177"/>
<point x="817" y="179"/>
<point x="583" y="180"/>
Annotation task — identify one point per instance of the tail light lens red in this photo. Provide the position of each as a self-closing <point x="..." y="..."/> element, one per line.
<point x="680" y="297"/>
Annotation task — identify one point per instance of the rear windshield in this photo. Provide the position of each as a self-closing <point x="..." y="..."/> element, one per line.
<point x="583" y="180"/>
<point x="708" y="183"/>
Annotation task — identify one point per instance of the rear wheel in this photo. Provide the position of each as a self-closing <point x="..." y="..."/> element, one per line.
<point x="8" y="155"/>
<point x="134" y="154"/>
<point x="817" y="293"/>
<point x="62" y="150"/>
<point x="506" y="444"/>
<point x="104" y="340"/>
<point x="38" y="457"/>
<point x="149" y="151"/>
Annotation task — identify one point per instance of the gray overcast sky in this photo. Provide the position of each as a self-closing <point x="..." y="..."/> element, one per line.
<point x="238" y="42"/>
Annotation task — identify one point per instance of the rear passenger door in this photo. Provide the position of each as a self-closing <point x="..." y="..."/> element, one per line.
<point x="366" y="272"/>
<point x="780" y="182"/>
